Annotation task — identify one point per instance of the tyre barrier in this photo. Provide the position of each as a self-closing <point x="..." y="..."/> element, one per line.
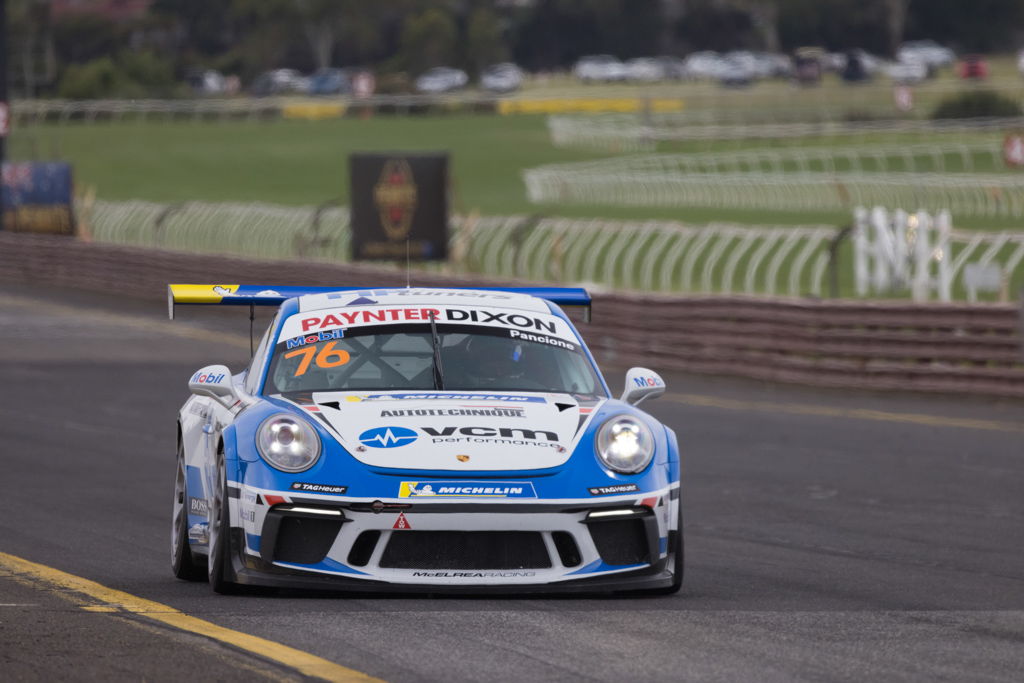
<point x="879" y="345"/>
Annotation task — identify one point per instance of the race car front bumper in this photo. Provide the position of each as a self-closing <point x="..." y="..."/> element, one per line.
<point x="461" y="547"/>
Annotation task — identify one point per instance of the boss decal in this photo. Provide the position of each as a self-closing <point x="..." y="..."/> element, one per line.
<point x="198" y="506"/>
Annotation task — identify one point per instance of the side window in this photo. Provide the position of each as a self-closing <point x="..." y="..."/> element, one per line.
<point x="255" y="369"/>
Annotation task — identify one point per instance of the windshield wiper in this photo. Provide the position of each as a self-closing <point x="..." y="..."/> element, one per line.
<point x="436" y="342"/>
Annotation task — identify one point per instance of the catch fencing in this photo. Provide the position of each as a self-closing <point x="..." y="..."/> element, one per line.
<point x="896" y="251"/>
<point x="882" y="345"/>
<point x="646" y="256"/>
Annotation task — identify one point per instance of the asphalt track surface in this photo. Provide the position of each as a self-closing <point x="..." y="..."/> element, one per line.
<point x="831" y="536"/>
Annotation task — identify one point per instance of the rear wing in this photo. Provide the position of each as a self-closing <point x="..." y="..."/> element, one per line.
<point x="269" y="295"/>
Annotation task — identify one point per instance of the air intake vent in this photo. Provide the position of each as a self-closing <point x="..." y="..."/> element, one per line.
<point x="620" y="541"/>
<point x="466" y="550"/>
<point x="362" y="549"/>
<point x="303" y="540"/>
<point x="568" y="551"/>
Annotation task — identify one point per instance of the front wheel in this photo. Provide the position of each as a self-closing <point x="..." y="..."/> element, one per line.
<point x="183" y="562"/>
<point x="678" y="553"/>
<point x="219" y="570"/>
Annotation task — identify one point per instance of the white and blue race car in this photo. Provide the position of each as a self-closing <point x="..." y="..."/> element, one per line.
<point x="434" y="440"/>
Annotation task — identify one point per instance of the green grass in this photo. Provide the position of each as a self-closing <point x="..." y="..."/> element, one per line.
<point x="305" y="163"/>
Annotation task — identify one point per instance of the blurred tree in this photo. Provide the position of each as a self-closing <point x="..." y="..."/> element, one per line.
<point x="428" y="40"/>
<point x="484" y="40"/>
<point x="895" y="14"/>
<point x="32" y="57"/>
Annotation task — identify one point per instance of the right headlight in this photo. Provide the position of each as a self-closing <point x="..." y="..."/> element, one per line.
<point x="288" y="443"/>
<point x="625" y="444"/>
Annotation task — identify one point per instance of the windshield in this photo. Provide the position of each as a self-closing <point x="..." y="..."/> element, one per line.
<point x="401" y="356"/>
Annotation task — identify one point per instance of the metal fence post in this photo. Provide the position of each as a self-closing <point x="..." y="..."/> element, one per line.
<point x="833" y="261"/>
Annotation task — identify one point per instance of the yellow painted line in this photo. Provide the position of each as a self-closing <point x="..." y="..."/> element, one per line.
<point x="846" y="413"/>
<point x="99" y="608"/>
<point x="124" y="320"/>
<point x="303" y="662"/>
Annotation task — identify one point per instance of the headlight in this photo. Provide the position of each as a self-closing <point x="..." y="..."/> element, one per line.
<point x="288" y="443"/>
<point x="625" y="444"/>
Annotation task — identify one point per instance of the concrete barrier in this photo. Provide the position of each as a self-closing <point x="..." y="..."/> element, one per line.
<point x="880" y="345"/>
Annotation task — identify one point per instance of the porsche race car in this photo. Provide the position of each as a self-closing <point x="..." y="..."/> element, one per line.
<point x="422" y="440"/>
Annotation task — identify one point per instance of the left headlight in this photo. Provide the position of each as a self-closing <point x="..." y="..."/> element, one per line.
<point x="625" y="444"/>
<point x="288" y="443"/>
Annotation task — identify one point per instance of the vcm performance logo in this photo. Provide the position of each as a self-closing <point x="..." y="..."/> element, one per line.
<point x="387" y="437"/>
<point x="395" y="196"/>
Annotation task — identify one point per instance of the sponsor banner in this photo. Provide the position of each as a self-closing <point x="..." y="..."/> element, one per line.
<point x="207" y="378"/>
<point x="455" y="397"/>
<point x="648" y="382"/>
<point x="396" y="437"/>
<point x="399" y="205"/>
<point x="314" y="338"/>
<point x="499" y="411"/>
<point x="588" y="105"/>
<point x="613" y="489"/>
<point x="466" y="489"/>
<point x="546" y="328"/>
<point x="37" y="197"/>
<point x="306" y="487"/>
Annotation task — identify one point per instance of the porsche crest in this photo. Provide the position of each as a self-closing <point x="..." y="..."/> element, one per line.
<point x="395" y="197"/>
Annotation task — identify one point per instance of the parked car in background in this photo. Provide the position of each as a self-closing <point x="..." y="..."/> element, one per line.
<point x="441" y="79"/>
<point x="504" y="77"/>
<point x="206" y="81"/>
<point x="279" y="82"/>
<point x="974" y="67"/>
<point x="329" y="81"/>
<point x="927" y="52"/>
<point x="673" y="68"/>
<point x="736" y="71"/>
<point x="704" y="65"/>
<point x="808" y="65"/>
<point x="644" y="70"/>
<point x="599" y="69"/>
<point x="907" y="73"/>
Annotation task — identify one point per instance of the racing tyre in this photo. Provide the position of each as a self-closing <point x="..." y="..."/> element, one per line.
<point x="183" y="562"/>
<point x="678" y="555"/>
<point x="220" y="573"/>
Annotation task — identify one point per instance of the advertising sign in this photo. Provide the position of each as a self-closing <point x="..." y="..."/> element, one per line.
<point x="37" y="197"/>
<point x="399" y="206"/>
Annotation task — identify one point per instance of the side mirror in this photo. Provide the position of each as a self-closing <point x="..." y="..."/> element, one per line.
<point x="642" y="384"/>
<point x="213" y="381"/>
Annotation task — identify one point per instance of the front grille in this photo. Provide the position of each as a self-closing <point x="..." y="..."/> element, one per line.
<point x="622" y="541"/>
<point x="466" y="550"/>
<point x="303" y="540"/>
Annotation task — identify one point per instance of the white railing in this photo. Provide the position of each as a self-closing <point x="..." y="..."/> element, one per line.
<point x="646" y="256"/>
<point x="934" y="176"/>
<point x="895" y="251"/>
<point x="636" y="133"/>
